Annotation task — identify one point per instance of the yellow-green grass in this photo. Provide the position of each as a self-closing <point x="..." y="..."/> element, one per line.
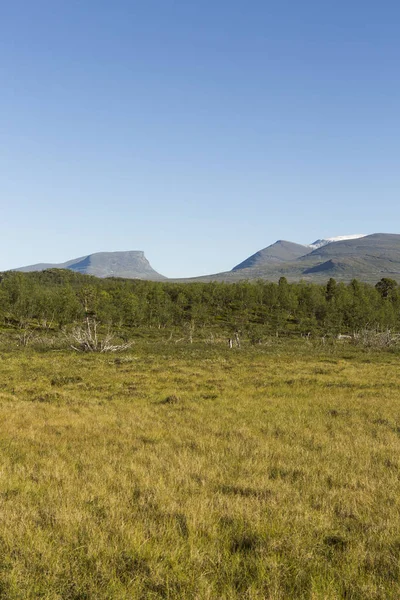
<point x="200" y="473"/>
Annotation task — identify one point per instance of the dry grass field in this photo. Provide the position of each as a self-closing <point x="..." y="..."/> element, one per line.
<point x="201" y="473"/>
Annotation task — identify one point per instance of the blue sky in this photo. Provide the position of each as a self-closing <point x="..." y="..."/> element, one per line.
<point x="199" y="132"/>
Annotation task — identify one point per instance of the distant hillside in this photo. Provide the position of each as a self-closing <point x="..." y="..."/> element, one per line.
<point x="367" y="258"/>
<point x="339" y="238"/>
<point x="281" y="251"/>
<point x="131" y="265"/>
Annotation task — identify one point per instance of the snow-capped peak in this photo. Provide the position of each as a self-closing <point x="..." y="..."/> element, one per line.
<point x="319" y="243"/>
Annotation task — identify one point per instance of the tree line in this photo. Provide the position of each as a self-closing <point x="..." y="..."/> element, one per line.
<point x="60" y="298"/>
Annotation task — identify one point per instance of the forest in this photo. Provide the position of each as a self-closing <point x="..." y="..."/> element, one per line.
<point x="55" y="300"/>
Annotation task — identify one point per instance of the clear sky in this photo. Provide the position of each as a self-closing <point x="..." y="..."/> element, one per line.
<point x="197" y="131"/>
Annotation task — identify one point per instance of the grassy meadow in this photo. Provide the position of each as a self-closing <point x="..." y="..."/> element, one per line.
<point x="200" y="472"/>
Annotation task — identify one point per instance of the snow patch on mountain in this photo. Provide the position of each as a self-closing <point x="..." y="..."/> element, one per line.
<point x="339" y="238"/>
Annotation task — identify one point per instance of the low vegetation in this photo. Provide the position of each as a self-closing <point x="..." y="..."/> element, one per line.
<point x="52" y="301"/>
<point x="189" y="470"/>
<point x="204" y="441"/>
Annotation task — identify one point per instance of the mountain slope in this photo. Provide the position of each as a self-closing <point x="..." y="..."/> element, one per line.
<point x="131" y="265"/>
<point x="339" y="238"/>
<point x="281" y="251"/>
<point x="383" y="245"/>
<point x="367" y="258"/>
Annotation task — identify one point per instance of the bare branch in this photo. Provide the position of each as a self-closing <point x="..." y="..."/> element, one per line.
<point x="85" y="338"/>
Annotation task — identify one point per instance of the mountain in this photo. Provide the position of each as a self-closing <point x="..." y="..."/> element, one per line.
<point x="131" y="265"/>
<point x="283" y="251"/>
<point x="364" y="257"/>
<point x="279" y="252"/>
<point x="368" y="258"/>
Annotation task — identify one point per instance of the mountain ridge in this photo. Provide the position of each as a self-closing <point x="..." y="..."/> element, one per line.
<point x="131" y="264"/>
<point x="280" y="251"/>
<point x="367" y="258"/>
<point x="364" y="257"/>
<point x="339" y="238"/>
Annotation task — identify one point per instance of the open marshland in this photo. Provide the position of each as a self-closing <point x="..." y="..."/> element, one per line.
<point x="202" y="473"/>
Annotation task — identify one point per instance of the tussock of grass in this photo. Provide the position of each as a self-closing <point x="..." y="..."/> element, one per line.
<point x="199" y="475"/>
